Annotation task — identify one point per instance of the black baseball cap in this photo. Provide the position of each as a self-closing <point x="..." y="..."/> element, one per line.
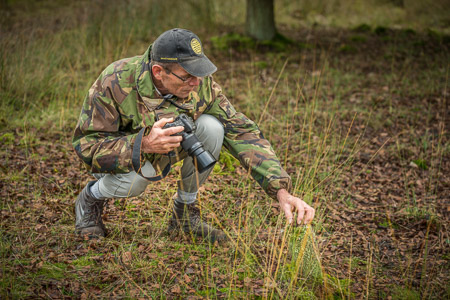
<point x="183" y="47"/>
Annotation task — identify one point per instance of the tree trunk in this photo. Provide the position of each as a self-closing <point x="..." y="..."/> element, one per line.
<point x="260" y="23"/>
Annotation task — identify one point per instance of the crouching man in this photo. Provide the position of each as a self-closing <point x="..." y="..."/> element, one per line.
<point x="123" y="139"/>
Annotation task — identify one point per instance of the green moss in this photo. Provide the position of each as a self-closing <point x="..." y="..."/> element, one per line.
<point x="53" y="271"/>
<point x="381" y="30"/>
<point x="83" y="261"/>
<point x="279" y="43"/>
<point x="232" y="40"/>
<point x="358" y="38"/>
<point x="242" y="42"/>
<point x="362" y="28"/>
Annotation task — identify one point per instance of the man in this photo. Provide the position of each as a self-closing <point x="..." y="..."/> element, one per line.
<point x="121" y="138"/>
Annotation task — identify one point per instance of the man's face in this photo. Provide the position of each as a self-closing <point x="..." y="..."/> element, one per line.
<point x="177" y="81"/>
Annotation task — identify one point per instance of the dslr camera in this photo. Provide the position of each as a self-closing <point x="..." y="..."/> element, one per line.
<point x="191" y="144"/>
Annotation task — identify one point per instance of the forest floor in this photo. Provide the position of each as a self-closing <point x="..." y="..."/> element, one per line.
<point x="382" y="223"/>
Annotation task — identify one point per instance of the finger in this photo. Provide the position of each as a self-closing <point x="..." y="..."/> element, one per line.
<point x="287" y="209"/>
<point x="300" y="211"/>
<point x="309" y="216"/>
<point x="171" y="139"/>
<point x="173" y="130"/>
<point x="162" y="122"/>
<point x="172" y="146"/>
<point x="167" y="148"/>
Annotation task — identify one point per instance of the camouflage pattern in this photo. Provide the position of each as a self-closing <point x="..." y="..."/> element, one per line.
<point x="123" y="100"/>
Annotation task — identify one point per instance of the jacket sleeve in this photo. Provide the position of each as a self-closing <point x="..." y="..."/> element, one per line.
<point x="97" y="139"/>
<point x="245" y="141"/>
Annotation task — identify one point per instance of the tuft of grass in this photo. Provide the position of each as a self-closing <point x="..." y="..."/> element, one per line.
<point x="421" y="163"/>
<point x="402" y="293"/>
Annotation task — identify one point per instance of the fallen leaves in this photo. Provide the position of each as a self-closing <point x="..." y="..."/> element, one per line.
<point x="388" y="209"/>
<point x="176" y="289"/>
<point x="127" y="257"/>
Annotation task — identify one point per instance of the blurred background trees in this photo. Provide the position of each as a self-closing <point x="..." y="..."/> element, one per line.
<point x="57" y="39"/>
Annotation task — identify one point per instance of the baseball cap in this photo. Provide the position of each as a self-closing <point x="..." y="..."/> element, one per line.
<point x="183" y="47"/>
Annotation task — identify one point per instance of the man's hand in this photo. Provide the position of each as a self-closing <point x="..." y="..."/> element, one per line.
<point x="288" y="203"/>
<point x="161" y="140"/>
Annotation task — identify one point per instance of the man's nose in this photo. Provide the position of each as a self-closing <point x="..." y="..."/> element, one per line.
<point x="195" y="81"/>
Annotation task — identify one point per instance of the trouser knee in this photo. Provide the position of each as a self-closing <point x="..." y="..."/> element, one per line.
<point x="211" y="133"/>
<point x="124" y="185"/>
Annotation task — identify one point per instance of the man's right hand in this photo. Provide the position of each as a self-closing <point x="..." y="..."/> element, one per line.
<point x="161" y="140"/>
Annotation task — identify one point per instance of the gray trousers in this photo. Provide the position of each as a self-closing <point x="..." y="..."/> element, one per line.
<point x="209" y="131"/>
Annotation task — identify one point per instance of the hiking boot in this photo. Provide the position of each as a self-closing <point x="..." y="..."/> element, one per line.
<point x="186" y="218"/>
<point x="88" y="211"/>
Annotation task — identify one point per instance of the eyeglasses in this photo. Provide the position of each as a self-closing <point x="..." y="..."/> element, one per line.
<point x="184" y="79"/>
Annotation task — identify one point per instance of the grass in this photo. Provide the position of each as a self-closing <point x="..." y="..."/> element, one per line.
<point x="347" y="109"/>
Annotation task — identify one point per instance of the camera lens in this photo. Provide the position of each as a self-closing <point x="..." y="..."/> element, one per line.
<point x="202" y="158"/>
<point x="195" y="149"/>
<point x="204" y="161"/>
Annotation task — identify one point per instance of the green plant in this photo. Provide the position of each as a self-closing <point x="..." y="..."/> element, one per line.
<point x="421" y="163"/>
<point x="403" y="293"/>
<point x="7" y="138"/>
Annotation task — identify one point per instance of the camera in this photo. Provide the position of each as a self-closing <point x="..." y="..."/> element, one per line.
<point x="191" y="144"/>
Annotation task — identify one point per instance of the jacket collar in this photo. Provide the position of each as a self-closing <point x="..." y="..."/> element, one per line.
<point x="144" y="83"/>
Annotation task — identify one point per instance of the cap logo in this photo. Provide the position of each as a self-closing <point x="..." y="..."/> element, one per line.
<point x="196" y="46"/>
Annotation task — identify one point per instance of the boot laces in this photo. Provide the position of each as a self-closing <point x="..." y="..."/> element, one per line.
<point x="94" y="211"/>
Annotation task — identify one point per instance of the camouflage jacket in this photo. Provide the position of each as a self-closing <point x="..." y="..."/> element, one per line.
<point x="123" y="100"/>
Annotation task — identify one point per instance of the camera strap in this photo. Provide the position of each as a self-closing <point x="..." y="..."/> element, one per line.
<point x="136" y="159"/>
<point x="168" y="98"/>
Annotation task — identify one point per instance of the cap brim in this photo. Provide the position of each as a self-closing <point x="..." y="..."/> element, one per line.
<point x="199" y="66"/>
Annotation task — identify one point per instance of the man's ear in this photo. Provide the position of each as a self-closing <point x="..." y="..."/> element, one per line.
<point x="156" y="71"/>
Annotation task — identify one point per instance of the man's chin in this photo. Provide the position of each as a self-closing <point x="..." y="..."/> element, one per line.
<point x="184" y="95"/>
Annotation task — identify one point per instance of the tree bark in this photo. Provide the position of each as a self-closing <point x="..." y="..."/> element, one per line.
<point x="260" y="22"/>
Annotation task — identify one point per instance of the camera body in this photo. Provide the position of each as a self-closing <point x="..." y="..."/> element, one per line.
<point x="186" y="122"/>
<point x="203" y="159"/>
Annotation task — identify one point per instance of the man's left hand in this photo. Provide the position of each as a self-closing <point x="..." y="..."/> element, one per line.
<point x="289" y="203"/>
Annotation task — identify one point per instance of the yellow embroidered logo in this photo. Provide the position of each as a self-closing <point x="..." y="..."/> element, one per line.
<point x="196" y="46"/>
